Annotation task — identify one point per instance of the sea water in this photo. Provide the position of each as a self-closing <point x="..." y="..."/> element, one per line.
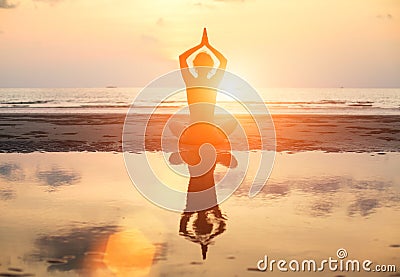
<point x="352" y="101"/>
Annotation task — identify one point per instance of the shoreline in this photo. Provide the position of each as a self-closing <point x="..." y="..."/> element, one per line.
<point x="25" y="133"/>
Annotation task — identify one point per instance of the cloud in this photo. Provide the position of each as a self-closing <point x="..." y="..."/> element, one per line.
<point x="7" y="194"/>
<point x="4" y="4"/>
<point x="160" y="22"/>
<point x="148" y="38"/>
<point x="368" y="196"/>
<point x="205" y="5"/>
<point x="58" y="177"/>
<point x="11" y="172"/>
<point x="69" y="251"/>
<point x="385" y="16"/>
<point x="228" y="1"/>
<point x="212" y="3"/>
<point x="364" y="207"/>
<point x="48" y="1"/>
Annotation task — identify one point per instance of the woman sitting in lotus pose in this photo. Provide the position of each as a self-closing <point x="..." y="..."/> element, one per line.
<point x="201" y="90"/>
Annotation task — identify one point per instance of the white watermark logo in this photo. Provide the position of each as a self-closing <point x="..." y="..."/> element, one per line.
<point x="338" y="263"/>
<point x="176" y="136"/>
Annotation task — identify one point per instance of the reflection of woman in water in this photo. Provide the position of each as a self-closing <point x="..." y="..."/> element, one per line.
<point x="202" y="226"/>
<point x="202" y="89"/>
<point x="206" y="226"/>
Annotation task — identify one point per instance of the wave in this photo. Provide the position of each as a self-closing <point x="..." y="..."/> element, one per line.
<point x="26" y="102"/>
<point x="341" y="102"/>
<point x="39" y="104"/>
<point x="67" y="103"/>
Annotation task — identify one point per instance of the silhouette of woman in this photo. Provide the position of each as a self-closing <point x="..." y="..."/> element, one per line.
<point x="202" y="89"/>
<point x="206" y="226"/>
<point x="202" y="226"/>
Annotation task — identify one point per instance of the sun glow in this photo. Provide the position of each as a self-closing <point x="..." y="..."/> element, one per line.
<point x="129" y="253"/>
<point x="270" y="43"/>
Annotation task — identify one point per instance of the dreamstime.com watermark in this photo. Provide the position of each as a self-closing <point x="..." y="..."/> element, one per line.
<point x="339" y="263"/>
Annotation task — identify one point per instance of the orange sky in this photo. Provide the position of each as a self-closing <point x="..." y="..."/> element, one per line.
<point x="270" y="43"/>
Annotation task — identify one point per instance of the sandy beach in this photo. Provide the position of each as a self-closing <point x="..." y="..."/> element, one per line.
<point x="102" y="132"/>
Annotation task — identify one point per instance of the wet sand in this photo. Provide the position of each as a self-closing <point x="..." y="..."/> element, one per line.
<point x="102" y="132"/>
<point x="78" y="214"/>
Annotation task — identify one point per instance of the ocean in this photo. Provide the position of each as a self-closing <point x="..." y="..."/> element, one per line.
<point x="344" y="101"/>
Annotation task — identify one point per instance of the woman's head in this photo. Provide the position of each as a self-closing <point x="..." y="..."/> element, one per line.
<point x="203" y="59"/>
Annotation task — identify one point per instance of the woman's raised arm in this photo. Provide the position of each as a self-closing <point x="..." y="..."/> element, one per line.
<point x="183" y="58"/>
<point x="220" y="57"/>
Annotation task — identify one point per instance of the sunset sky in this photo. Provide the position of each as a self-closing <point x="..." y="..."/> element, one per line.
<point x="270" y="43"/>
